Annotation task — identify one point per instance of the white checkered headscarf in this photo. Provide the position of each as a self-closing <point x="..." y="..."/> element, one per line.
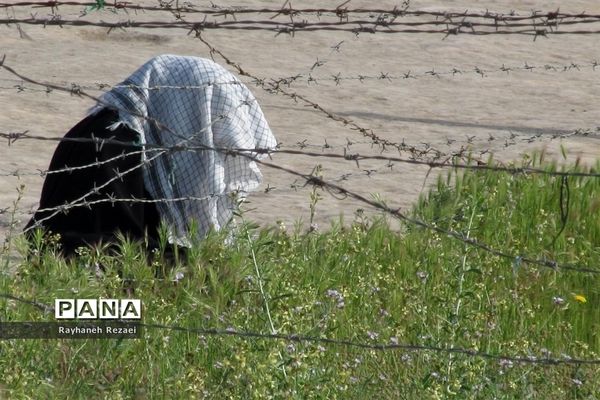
<point x="196" y="102"/>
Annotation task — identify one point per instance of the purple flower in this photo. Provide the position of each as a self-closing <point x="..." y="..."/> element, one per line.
<point x="559" y="301"/>
<point x="178" y="277"/>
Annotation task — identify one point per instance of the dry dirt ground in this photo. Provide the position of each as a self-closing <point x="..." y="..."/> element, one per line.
<point x="507" y="114"/>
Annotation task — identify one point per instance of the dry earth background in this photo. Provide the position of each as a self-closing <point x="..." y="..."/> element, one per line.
<point x="506" y="114"/>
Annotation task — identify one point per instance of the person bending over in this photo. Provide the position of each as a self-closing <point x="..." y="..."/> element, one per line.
<point x="148" y="153"/>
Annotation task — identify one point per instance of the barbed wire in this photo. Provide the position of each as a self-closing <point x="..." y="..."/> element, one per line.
<point x="19" y="86"/>
<point x="286" y="10"/>
<point x="319" y="182"/>
<point x="82" y="200"/>
<point x="274" y="87"/>
<point x="387" y="77"/>
<point x="316" y="181"/>
<point x="544" y="360"/>
<point x="290" y="150"/>
<point x="345" y="152"/>
<point x="269" y="87"/>
<point x="394" y="20"/>
<point x="336" y="190"/>
<point x="343" y="192"/>
<point x="293" y="28"/>
<point x="118" y="175"/>
<point x="311" y="79"/>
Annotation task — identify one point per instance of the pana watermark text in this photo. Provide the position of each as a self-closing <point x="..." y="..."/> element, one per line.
<point x="88" y="309"/>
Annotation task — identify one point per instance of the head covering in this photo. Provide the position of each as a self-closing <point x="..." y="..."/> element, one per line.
<point x="192" y="102"/>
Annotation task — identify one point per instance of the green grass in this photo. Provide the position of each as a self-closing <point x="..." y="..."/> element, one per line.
<point x="363" y="283"/>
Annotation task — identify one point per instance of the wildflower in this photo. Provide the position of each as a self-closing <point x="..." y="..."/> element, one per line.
<point x="576" y="382"/>
<point x="98" y="270"/>
<point x="334" y="294"/>
<point x="559" y="301"/>
<point x="372" y="335"/>
<point x="422" y="275"/>
<point x="580" y="298"/>
<point x="178" y="277"/>
<point x="546" y="352"/>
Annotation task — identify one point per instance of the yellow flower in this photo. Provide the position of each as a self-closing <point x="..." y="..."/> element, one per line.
<point x="580" y="298"/>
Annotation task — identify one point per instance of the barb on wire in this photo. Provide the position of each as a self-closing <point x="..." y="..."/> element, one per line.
<point x="294" y="337"/>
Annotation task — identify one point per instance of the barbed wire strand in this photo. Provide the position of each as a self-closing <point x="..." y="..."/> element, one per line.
<point x="354" y="157"/>
<point x="382" y="20"/>
<point x="292" y="28"/>
<point x="286" y="10"/>
<point x="338" y="78"/>
<point x="300" y="338"/>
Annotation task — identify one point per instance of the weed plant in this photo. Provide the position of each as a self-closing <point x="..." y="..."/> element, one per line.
<point x="361" y="282"/>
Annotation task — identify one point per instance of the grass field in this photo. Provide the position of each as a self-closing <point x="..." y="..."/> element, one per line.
<point x="361" y="283"/>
